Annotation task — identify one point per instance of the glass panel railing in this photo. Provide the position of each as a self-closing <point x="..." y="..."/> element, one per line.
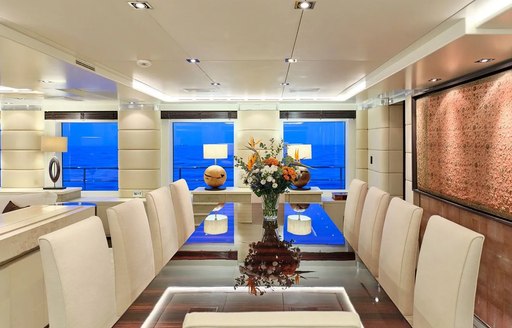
<point x="91" y="178"/>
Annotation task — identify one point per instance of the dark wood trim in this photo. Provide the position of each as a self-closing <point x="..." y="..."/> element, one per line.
<point x="414" y="150"/>
<point x="84" y="115"/>
<point x="327" y="256"/>
<point x="464" y="207"/>
<point x="317" y="114"/>
<point x="206" y="255"/>
<point x="197" y="115"/>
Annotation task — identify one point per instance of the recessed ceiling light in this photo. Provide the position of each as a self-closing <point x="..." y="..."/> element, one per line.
<point x="215" y="84"/>
<point x="484" y="60"/>
<point x="304" y="4"/>
<point x="290" y="60"/>
<point x="285" y="83"/>
<point x="193" y="60"/>
<point x="140" y="5"/>
<point x="435" y="79"/>
<point x="144" y="63"/>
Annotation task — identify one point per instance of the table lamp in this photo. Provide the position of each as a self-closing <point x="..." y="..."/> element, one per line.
<point x="54" y="145"/>
<point x="299" y="152"/>
<point x="215" y="175"/>
<point x="216" y="224"/>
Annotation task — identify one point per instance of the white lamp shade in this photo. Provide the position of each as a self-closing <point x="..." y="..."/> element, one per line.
<point x="299" y="225"/>
<point x="215" y="151"/>
<point x="54" y="144"/>
<point x="303" y="150"/>
<point x="216" y="224"/>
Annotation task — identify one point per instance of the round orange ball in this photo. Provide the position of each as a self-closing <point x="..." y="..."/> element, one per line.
<point x="215" y="176"/>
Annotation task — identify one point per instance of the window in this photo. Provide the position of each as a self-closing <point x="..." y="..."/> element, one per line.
<point x="327" y="141"/>
<point x="188" y="140"/>
<point x="91" y="159"/>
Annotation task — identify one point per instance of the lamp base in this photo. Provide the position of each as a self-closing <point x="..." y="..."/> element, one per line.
<point x="214" y="188"/>
<point x="54" y="188"/>
<point x="300" y="188"/>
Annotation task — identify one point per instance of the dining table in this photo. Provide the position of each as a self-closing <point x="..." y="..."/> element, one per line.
<point x="299" y="262"/>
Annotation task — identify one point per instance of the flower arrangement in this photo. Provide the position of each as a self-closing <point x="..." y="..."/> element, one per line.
<point x="270" y="262"/>
<point x="267" y="176"/>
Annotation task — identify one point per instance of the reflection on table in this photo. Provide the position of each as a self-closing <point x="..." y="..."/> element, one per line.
<point x="319" y="258"/>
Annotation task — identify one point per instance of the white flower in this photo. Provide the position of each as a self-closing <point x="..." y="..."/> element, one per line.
<point x="263" y="182"/>
<point x="274" y="185"/>
<point x="249" y="180"/>
<point x="269" y="178"/>
<point x="256" y="170"/>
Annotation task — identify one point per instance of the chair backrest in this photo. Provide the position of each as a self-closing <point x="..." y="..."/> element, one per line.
<point x="133" y="251"/>
<point x="353" y="210"/>
<point x="182" y="200"/>
<point x="79" y="276"/>
<point x="274" y="319"/>
<point x="370" y="230"/>
<point x="162" y="223"/>
<point x="399" y="253"/>
<point x="448" y="264"/>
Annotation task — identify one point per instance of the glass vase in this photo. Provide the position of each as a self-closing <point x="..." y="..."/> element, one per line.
<point x="269" y="204"/>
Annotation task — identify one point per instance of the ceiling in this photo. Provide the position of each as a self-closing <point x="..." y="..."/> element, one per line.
<point x="343" y="48"/>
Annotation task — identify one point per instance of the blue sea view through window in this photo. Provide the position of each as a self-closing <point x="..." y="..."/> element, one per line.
<point x="91" y="159"/>
<point x="327" y="139"/>
<point x="187" y="146"/>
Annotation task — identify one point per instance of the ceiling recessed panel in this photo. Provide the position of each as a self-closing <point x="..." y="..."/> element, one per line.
<point x="329" y="76"/>
<point x="231" y="29"/>
<point x="368" y="29"/>
<point x="247" y="79"/>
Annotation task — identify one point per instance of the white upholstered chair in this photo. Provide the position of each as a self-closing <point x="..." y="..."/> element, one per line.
<point x="448" y="264"/>
<point x="162" y="223"/>
<point x="182" y="200"/>
<point x="133" y="251"/>
<point x="370" y="231"/>
<point x="79" y="276"/>
<point x="296" y="319"/>
<point x="353" y="209"/>
<point x="399" y="253"/>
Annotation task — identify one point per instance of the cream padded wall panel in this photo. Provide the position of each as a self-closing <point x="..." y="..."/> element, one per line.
<point x="396" y="161"/>
<point x="361" y="139"/>
<point x="257" y="120"/>
<point x="139" y="120"/>
<point x="378" y="139"/>
<point x="379" y="161"/>
<point x="379" y="180"/>
<point x="22" y="178"/>
<point x="362" y="159"/>
<point x="139" y="179"/>
<point x="139" y="139"/>
<point x="139" y="159"/>
<point x="362" y="174"/>
<point x="378" y="117"/>
<point x="408" y="110"/>
<point x="408" y="166"/>
<point x="396" y="116"/>
<point x="22" y="120"/>
<point x="408" y="192"/>
<point x="21" y="140"/>
<point x="395" y="183"/>
<point x="408" y="138"/>
<point x="22" y="160"/>
<point x="264" y="136"/>
<point x="396" y="139"/>
<point x="362" y="120"/>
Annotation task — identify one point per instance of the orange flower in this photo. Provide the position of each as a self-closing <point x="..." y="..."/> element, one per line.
<point x="271" y="161"/>
<point x="289" y="173"/>
<point x="251" y="161"/>
<point x="253" y="143"/>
